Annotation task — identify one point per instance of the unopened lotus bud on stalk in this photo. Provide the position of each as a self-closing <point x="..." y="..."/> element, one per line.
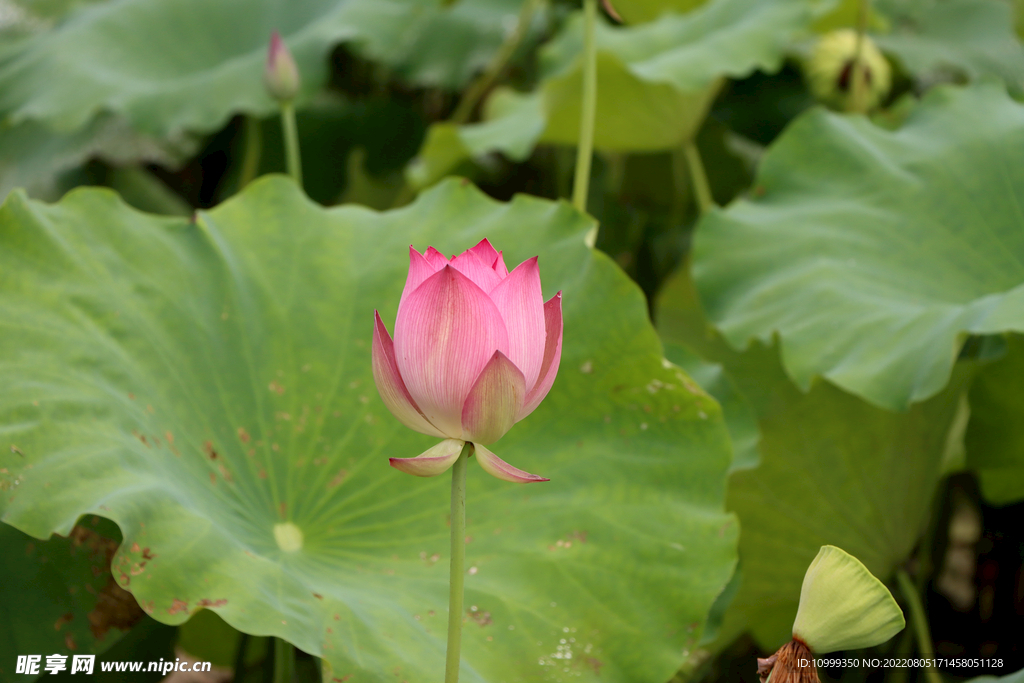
<point x="842" y="607"/>
<point x="476" y="349"/>
<point x="281" y="75"/>
<point x="847" y="76"/>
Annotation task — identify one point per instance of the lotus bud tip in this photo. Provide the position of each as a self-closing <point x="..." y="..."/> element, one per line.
<point x="281" y="75"/>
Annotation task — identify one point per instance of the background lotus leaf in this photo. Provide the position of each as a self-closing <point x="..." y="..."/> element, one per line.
<point x="995" y="433"/>
<point x="834" y="470"/>
<point x="173" y="65"/>
<point x="872" y="253"/>
<point x="971" y="38"/>
<point x="656" y="82"/>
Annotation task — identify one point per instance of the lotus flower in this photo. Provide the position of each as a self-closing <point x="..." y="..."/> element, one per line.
<point x="475" y="350"/>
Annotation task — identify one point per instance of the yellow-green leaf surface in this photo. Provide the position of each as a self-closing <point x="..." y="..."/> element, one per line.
<point x="207" y="385"/>
<point x="873" y="253"/>
<point x="834" y="470"/>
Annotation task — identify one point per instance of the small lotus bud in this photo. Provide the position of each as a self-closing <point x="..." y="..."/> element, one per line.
<point x="833" y="79"/>
<point x="842" y="607"/>
<point x="281" y="75"/>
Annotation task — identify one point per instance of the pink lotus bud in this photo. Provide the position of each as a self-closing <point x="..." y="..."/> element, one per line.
<point x="475" y="350"/>
<point x="281" y="75"/>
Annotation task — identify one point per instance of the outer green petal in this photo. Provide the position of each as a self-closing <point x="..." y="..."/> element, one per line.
<point x="843" y="606"/>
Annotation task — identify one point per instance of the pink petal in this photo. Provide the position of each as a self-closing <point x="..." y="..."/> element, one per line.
<point x="390" y="385"/>
<point x="435" y="258"/>
<point x="494" y="401"/>
<point x="470" y="264"/>
<point x="420" y="268"/>
<point x="552" y="355"/>
<point x="431" y="462"/>
<point x="446" y="332"/>
<point x="499" y="266"/>
<point x="496" y="467"/>
<point x="485" y="251"/>
<point x="521" y="302"/>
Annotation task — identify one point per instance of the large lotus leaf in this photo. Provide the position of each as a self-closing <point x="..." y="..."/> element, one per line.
<point x="208" y="387"/>
<point x="171" y="65"/>
<point x="974" y="38"/>
<point x="995" y="433"/>
<point x="834" y="470"/>
<point x="872" y="252"/>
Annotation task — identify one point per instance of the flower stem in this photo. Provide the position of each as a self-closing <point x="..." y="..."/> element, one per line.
<point x="284" y="661"/>
<point x="251" y="152"/>
<point x="291" y="141"/>
<point x="482" y="84"/>
<point x="698" y="177"/>
<point x="457" y="571"/>
<point x="920" y="619"/>
<point x="588" y="111"/>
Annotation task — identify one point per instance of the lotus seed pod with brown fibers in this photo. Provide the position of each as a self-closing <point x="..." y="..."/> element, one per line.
<point x="793" y="663"/>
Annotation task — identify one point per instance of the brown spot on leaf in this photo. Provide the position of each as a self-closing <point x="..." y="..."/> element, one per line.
<point x="318" y="596"/>
<point x="69" y="642"/>
<point x="177" y="606"/>
<point x="338" y="478"/>
<point x="211" y="603"/>
<point x="65" y="619"/>
<point x="276" y="387"/>
<point x="243" y="435"/>
<point x="209" y="450"/>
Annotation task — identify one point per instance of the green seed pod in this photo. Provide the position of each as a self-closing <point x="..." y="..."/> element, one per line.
<point x="833" y="79"/>
<point x="844" y="607"/>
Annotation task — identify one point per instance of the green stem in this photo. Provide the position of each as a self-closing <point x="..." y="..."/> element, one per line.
<point x="457" y="571"/>
<point x="284" y="661"/>
<point x="291" y="142"/>
<point x="920" y="619"/>
<point x="251" y="153"/>
<point x="588" y="112"/>
<point x="701" y="187"/>
<point x="238" y="670"/>
<point x="481" y="85"/>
